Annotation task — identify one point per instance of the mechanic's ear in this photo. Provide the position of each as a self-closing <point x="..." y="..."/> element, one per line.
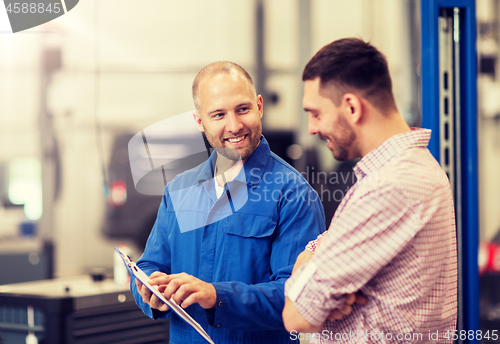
<point x="260" y="105"/>
<point x="198" y="121"/>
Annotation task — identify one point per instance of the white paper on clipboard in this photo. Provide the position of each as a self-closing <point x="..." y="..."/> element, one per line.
<point x="143" y="278"/>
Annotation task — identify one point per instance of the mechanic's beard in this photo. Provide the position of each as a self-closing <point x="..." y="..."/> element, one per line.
<point x="235" y="154"/>
<point x="228" y="153"/>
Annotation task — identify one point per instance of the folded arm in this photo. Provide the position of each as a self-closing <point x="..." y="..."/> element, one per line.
<point x="364" y="241"/>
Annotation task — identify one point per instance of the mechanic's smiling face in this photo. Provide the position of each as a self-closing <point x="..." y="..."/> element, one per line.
<point x="230" y="115"/>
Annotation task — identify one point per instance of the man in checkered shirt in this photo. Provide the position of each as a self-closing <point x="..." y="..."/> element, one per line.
<point x="392" y="239"/>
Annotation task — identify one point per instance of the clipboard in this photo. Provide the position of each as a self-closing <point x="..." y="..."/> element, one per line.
<point x="143" y="278"/>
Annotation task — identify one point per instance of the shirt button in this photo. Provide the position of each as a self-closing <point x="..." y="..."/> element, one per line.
<point x="220" y="303"/>
<point x="218" y="325"/>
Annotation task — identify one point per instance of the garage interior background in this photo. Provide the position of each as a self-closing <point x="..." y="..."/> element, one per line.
<point x="70" y="86"/>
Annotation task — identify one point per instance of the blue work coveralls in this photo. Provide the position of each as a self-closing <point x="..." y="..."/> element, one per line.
<point x="245" y="243"/>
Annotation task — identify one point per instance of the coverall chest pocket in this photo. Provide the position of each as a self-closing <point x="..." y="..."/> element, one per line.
<point x="247" y="246"/>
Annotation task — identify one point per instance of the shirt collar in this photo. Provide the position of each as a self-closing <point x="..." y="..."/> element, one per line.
<point x="252" y="170"/>
<point x="396" y="145"/>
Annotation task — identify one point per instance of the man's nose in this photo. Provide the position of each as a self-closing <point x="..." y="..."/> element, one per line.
<point x="312" y="127"/>
<point x="234" y="124"/>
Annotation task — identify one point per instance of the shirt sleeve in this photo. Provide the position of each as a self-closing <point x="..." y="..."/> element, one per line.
<point x="367" y="237"/>
<point x="157" y="250"/>
<point x="260" y="306"/>
<point x="311" y="246"/>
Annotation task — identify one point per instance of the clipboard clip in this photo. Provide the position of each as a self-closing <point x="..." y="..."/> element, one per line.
<point x="127" y="260"/>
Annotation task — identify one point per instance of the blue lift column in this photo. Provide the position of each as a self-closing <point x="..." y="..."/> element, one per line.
<point x="449" y="108"/>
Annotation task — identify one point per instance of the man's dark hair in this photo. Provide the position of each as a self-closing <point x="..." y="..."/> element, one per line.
<point x="352" y="65"/>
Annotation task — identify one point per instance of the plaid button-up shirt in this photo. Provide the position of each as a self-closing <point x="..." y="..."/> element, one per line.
<point x="393" y="238"/>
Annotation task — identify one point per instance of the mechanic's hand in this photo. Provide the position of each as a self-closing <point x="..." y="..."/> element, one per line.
<point x="147" y="297"/>
<point x="186" y="289"/>
<point x="346" y="309"/>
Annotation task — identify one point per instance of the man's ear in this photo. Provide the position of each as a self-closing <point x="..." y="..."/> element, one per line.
<point x="198" y="121"/>
<point x="260" y="105"/>
<point x="352" y="107"/>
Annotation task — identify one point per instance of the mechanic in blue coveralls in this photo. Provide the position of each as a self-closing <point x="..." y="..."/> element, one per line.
<point x="229" y="231"/>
